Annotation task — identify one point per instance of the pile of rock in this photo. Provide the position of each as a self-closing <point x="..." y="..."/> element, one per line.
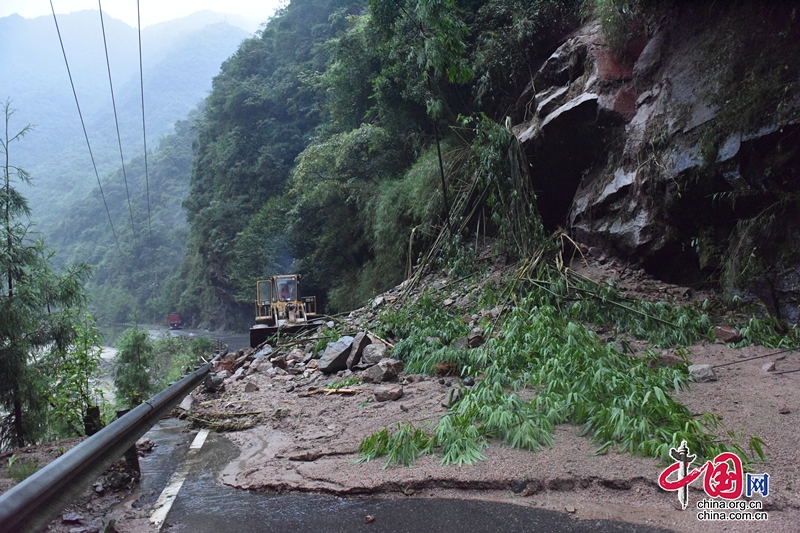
<point x="364" y="355"/>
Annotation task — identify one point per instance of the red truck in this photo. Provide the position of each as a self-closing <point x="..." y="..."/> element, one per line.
<point x="174" y="321"/>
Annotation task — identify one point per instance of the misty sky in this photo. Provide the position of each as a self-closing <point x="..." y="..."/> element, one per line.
<point x="152" y="11"/>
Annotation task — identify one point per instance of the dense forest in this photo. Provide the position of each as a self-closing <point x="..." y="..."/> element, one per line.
<point x="347" y="140"/>
<point x="132" y="263"/>
<point x="50" y="344"/>
<point x="334" y="143"/>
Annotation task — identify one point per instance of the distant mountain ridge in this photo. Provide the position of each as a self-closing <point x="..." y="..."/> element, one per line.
<point x="180" y="58"/>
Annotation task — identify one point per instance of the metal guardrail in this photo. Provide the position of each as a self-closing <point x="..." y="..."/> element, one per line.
<point x="33" y="503"/>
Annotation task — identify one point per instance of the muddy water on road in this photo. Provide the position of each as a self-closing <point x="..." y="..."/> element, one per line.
<point x="204" y="505"/>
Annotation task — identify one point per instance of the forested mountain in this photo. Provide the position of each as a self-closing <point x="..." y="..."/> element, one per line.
<point x="180" y="58"/>
<point x="128" y="280"/>
<point x="318" y="149"/>
<point x="350" y="142"/>
<point x="261" y="114"/>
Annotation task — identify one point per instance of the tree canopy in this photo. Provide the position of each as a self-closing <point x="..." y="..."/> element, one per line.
<point x="318" y="147"/>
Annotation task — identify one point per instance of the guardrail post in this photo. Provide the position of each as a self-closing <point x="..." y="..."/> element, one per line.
<point x="131" y="454"/>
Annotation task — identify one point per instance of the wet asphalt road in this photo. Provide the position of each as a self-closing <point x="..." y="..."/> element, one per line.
<point x="234" y="341"/>
<point x="204" y="506"/>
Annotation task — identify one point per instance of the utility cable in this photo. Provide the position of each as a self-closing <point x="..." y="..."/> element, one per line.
<point x="83" y="124"/>
<point x="116" y="120"/>
<point x="144" y="140"/>
<point x="144" y="129"/>
<point x="754" y="358"/>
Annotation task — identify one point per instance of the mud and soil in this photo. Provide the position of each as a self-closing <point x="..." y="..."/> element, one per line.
<point x="302" y="443"/>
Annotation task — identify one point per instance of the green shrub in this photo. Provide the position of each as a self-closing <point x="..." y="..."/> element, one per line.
<point x="133" y="376"/>
<point x="544" y="344"/>
<point x="20" y="469"/>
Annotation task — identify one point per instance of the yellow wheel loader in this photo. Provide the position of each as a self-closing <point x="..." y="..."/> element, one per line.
<point x="281" y="310"/>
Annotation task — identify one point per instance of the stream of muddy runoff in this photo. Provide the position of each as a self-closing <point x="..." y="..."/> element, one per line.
<point x="205" y="505"/>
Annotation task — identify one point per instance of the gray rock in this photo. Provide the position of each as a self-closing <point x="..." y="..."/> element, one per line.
<point x="475" y="339"/>
<point x="394" y="364"/>
<point x="186" y="403"/>
<point x="71" y="518"/>
<point x="451" y="398"/>
<point x="378" y="373"/>
<point x="263" y="352"/>
<point x="258" y="365"/>
<point x="727" y="334"/>
<point x="386" y="393"/>
<point x="768" y="367"/>
<point x="702" y="373"/>
<point x="550" y="100"/>
<point x="361" y="341"/>
<point x="650" y="58"/>
<point x="373" y="353"/>
<point x="580" y="110"/>
<point x="335" y="356"/>
<point x="279" y="361"/>
<point x="214" y="382"/>
<point x="295" y="356"/>
<point x="462" y="342"/>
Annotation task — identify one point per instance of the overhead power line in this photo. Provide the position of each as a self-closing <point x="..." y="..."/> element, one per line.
<point x="144" y="140"/>
<point x="83" y="124"/>
<point x="116" y="120"/>
<point x="144" y="129"/>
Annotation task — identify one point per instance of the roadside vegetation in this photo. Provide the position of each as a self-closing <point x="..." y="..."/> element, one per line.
<point x="543" y="347"/>
<point x="145" y="365"/>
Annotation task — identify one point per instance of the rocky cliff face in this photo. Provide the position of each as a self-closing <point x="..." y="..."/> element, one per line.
<point x="681" y="152"/>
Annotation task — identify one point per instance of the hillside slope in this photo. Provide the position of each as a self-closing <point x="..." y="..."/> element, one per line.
<point x="673" y="148"/>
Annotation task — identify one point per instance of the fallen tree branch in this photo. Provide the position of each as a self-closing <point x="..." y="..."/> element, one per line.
<point x="329" y="392"/>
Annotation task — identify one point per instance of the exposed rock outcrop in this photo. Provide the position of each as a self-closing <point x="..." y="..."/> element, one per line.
<point x="652" y="159"/>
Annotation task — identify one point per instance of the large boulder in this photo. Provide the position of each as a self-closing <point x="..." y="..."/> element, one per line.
<point x="385" y="370"/>
<point x="386" y="393"/>
<point x="335" y="356"/>
<point x="373" y="353"/>
<point x="361" y="341"/>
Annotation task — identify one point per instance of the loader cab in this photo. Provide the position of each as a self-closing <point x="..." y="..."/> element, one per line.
<point x="286" y="288"/>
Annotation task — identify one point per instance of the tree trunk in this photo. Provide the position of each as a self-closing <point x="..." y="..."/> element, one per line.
<point x="18" y="427"/>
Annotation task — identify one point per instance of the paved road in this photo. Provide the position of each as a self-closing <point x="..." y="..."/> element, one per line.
<point x="234" y="341"/>
<point x="203" y="506"/>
